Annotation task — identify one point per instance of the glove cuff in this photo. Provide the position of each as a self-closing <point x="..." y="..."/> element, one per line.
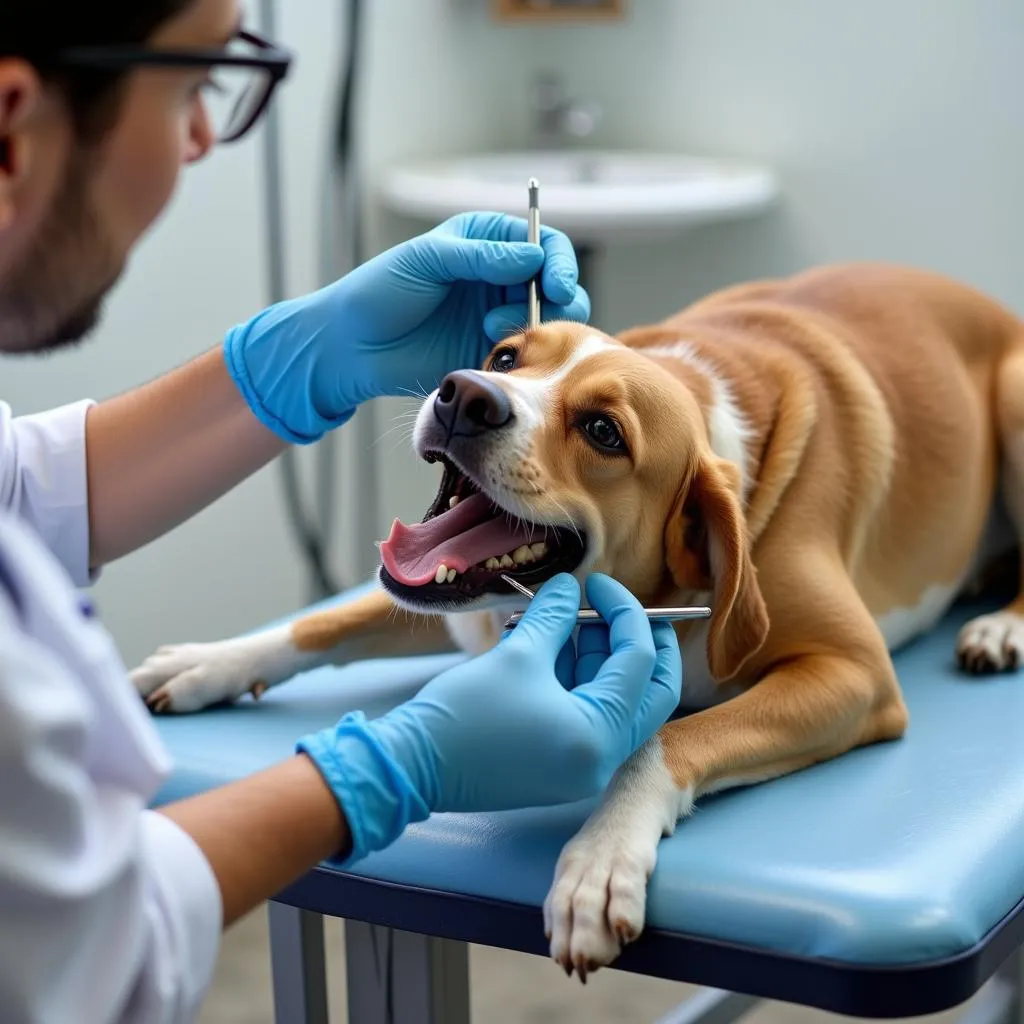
<point x="376" y="793"/>
<point x="236" y="341"/>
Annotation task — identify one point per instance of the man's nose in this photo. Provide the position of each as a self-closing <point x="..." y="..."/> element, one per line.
<point x="468" y="404"/>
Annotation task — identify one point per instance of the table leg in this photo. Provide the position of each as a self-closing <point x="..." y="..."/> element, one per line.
<point x="999" y="1000"/>
<point x="297" y="965"/>
<point x="710" y="1006"/>
<point x="1015" y="970"/>
<point x="397" y="977"/>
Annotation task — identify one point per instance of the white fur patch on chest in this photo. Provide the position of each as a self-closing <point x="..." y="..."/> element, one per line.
<point x="475" y="632"/>
<point x="901" y="625"/>
<point x="700" y="690"/>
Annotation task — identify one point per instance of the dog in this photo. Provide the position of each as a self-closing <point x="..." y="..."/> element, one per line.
<point x="816" y="457"/>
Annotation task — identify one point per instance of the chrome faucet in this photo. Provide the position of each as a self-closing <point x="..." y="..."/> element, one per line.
<point x="556" y="117"/>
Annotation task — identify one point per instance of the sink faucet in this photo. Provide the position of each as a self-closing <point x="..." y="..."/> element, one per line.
<point x="558" y="118"/>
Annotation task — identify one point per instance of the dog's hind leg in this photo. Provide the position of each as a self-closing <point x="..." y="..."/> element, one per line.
<point x="994" y="642"/>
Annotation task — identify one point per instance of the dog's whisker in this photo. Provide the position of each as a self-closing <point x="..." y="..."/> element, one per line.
<point x="569" y="521"/>
<point x="405" y="434"/>
<point x="420" y="393"/>
<point x="406" y="427"/>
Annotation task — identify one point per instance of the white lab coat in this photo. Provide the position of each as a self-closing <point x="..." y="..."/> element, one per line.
<point x="108" y="911"/>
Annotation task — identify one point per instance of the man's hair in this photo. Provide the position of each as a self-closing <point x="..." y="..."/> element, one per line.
<point x="38" y="30"/>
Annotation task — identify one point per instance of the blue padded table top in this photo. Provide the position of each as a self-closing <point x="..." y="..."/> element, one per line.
<point x="883" y="883"/>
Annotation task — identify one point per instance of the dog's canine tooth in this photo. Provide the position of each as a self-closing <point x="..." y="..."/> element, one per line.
<point x="453" y="501"/>
<point x="442" y="574"/>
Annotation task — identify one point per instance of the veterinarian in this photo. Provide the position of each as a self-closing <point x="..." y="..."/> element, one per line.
<point x="112" y="911"/>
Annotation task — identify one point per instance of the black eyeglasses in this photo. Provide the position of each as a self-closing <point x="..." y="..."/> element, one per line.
<point x="243" y="75"/>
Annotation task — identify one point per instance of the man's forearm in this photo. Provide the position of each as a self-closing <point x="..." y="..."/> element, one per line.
<point x="261" y="833"/>
<point x="160" y="453"/>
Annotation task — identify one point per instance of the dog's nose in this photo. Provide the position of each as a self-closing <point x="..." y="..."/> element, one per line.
<point x="468" y="404"/>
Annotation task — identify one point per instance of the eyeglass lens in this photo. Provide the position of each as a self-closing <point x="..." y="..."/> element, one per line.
<point x="234" y="95"/>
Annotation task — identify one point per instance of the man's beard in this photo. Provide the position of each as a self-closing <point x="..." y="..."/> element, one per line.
<point x="54" y="297"/>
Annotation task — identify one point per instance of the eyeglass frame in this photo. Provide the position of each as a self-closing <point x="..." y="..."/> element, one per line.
<point x="276" y="62"/>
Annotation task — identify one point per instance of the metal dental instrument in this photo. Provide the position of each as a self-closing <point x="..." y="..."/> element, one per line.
<point x="533" y="236"/>
<point x="589" y="615"/>
<point x="525" y="591"/>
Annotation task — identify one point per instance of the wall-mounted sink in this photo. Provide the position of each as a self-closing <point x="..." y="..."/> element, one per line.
<point x="595" y="196"/>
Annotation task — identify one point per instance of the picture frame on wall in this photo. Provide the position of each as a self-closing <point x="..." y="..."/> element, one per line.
<point x="558" y="10"/>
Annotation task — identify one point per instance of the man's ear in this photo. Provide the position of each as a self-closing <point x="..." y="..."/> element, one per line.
<point x="20" y="90"/>
<point x="706" y="549"/>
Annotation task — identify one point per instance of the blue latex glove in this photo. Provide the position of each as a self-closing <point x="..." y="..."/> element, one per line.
<point x="502" y="730"/>
<point x="399" y="323"/>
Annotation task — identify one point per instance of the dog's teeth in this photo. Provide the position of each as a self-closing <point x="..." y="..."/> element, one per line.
<point x="540" y="549"/>
<point x="453" y="501"/>
<point x="492" y="564"/>
<point x="442" y="574"/>
<point x="522" y="555"/>
<point x="451" y="575"/>
<point x="505" y="562"/>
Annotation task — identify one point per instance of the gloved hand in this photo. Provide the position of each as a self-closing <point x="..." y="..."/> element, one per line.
<point x="399" y="323"/>
<point x="502" y="730"/>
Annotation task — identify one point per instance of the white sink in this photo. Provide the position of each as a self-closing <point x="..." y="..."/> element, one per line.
<point x="595" y="196"/>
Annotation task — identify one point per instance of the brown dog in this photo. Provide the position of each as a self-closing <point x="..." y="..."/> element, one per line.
<point x="814" y="457"/>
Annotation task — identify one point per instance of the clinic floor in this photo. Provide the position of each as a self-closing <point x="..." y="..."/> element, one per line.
<point x="507" y="988"/>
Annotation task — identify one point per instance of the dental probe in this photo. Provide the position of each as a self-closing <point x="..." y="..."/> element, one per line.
<point x="589" y="615"/>
<point x="533" y="236"/>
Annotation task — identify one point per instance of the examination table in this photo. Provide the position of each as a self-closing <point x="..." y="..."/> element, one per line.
<point x="889" y="882"/>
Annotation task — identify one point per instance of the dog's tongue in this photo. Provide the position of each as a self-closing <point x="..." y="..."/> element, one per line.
<point x="463" y="536"/>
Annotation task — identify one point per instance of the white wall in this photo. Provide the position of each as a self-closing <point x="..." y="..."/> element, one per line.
<point x="897" y="129"/>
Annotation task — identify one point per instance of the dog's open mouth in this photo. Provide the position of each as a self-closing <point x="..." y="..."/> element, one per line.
<point x="466" y="541"/>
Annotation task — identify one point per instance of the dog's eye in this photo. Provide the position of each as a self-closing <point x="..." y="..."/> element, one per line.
<point x="504" y="360"/>
<point x="602" y="431"/>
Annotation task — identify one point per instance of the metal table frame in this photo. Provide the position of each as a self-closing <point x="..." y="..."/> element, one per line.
<point x="407" y="957"/>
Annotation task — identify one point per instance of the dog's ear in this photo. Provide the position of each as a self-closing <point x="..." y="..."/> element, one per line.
<point x="706" y="548"/>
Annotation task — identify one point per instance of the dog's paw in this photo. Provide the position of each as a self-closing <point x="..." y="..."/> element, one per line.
<point x="597" y="902"/>
<point x="189" y="677"/>
<point x="991" y="643"/>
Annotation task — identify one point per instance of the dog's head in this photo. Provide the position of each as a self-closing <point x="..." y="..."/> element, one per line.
<point x="569" y="452"/>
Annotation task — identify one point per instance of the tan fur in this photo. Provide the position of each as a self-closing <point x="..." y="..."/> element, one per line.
<point x="375" y="623"/>
<point x="324" y="630"/>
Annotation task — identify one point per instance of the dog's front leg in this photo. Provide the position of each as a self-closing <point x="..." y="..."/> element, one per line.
<point x="187" y="677"/>
<point x="812" y="709"/>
